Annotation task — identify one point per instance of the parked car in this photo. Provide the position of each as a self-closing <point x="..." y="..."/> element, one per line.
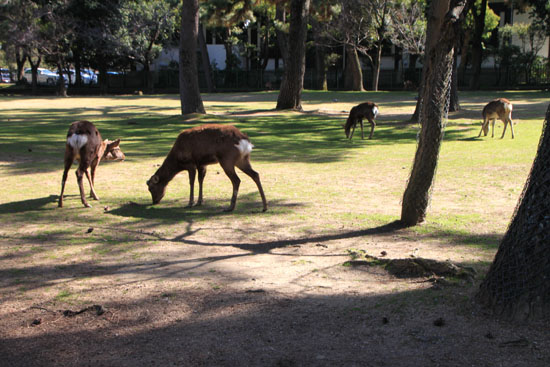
<point x="5" y="76"/>
<point x="44" y="76"/>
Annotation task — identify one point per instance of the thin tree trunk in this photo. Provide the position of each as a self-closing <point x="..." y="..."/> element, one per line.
<point x="205" y="61"/>
<point x="20" y="58"/>
<point x="376" y="67"/>
<point x="353" y="77"/>
<point x="34" y="73"/>
<point x="454" y="103"/>
<point x="477" y="49"/>
<point x="321" y="68"/>
<point x="290" y="94"/>
<point x="437" y="83"/>
<point x="517" y="285"/>
<point x="61" y="86"/>
<point x="190" y="97"/>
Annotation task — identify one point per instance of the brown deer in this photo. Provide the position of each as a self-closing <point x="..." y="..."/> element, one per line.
<point x="368" y="110"/>
<point x="500" y="108"/>
<point x="200" y="146"/>
<point x="85" y="145"/>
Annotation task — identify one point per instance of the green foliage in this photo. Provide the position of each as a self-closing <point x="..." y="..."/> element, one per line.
<point x="145" y="28"/>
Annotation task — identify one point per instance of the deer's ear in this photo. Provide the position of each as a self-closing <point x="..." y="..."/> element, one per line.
<point x="154" y="180"/>
<point x="112" y="144"/>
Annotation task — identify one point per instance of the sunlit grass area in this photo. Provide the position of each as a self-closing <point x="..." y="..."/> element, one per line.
<point x="319" y="185"/>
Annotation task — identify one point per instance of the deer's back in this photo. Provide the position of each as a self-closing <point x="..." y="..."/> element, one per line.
<point x="206" y="143"/>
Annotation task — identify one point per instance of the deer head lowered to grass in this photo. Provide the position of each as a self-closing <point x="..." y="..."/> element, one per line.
<point x="368" y="110"/>
<point x="85" y="145"/>
<point x="200" y="146"/>
<point x="500" y="108"/>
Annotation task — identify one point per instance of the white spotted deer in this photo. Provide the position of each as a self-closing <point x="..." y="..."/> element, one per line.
<point x="85" y="145"/>
<point x="500" y="108"/>
<point x="368" y="110"/>
<point x="200" y="146"/>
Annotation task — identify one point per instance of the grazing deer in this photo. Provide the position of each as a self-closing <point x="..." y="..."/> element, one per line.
<point x="200" y="146"/>
<point x="366" y="110"/>
<point x="85" y="145"/>
<point x="500" y="108"/>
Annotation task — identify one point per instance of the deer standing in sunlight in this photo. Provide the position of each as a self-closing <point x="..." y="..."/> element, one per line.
<point x="85" y="145"/>
<point x="500" y="108"/>
<point x="200" y="146"/>
<point x="368" y="110"/>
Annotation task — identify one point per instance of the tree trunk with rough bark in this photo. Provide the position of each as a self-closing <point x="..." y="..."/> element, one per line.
<point x="191" y="101"/>
<point x="290" y="94"/>
<point x="353" y="78"/>
<point x="517" y="285"/>
<point x="447" y="16"/>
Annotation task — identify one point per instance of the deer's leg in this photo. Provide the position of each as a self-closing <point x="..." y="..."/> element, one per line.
<point x="507" y="121"/>
<point x="362" y="132"/>
<point x="352" y="130"/>
<point x="493" y="127"/>
<point x="244" y="165"/>
<point x="192" y="174"/>
<point x="202" y="173"/>
<point x="79" y="173"/>
<point x="68" y="164"/>
<point x="93" y="166"/>
<point x="229" y="169"/>
<point x="483" y="128"/>
<point x="372" y="126"/>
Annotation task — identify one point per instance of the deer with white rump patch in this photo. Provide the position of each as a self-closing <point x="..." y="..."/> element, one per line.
<point x="368" y="110"/>
<point x="200" y="146"/>
<point x="500" y="108"/>
<point x="85" y="145"/>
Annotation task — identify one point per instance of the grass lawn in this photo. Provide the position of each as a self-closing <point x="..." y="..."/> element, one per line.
<point x="325" y="194"/>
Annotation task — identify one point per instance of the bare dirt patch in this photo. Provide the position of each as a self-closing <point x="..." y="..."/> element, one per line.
<point x="195" y="300"/>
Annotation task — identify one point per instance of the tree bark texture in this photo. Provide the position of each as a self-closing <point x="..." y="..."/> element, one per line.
<point x="477" y="47"/>
<point x="435" y="92"/>
<point x="353" y="77"/>
<point x="432" y="31"/>
<point x="517" y="285"/>
<point x="290" y="94"/>
<point x="190" y="97"/>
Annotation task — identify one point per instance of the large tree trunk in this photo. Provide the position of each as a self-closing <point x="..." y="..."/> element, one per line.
<point x="517" y="285"/>
<point x="477" y="47"/>
<point x="353" y="77"/>
<point x="190" y="97"/>
<point x="290" y="94"/>
<point x="433" y="108"/>
<point x="205" y="61"/>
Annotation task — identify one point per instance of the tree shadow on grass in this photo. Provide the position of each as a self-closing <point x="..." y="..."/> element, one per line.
<point x="28" y="205"/>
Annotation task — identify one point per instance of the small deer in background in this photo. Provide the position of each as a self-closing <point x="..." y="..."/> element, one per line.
<point x="85" y="145"/>
<point x="200" y="146"/>
<point x="500" y="108"/>
<point x="368" y="110"/>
